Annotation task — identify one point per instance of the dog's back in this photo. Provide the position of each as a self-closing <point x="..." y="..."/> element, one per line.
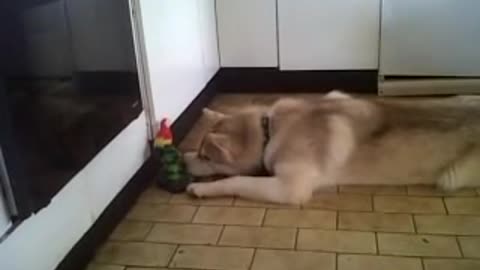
<point x="383" y="141"/>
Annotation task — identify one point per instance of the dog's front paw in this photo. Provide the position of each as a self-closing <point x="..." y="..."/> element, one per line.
<point x="195" y="190"/>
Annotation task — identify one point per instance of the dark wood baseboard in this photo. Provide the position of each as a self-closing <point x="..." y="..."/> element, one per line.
<point x="84" y="250"/>
<point x="273" y="80"/>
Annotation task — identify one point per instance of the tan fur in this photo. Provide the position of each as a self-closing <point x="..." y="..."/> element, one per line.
<point x="340" y="140"/>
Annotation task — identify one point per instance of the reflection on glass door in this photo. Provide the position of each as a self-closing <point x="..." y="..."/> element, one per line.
<point x="71" y="86"/>
<point x="6" y="202"/>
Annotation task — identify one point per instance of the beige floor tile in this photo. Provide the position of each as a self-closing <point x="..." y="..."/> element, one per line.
<point x="353" y="202"/>
<point x="470" y="246"/>
<point x="261" y="237"/>
<point x="185" y="199"/>
<point x="162" y="213"/>
<point x="463" y="205"/>
<point x="336" y="241"/>
<point x="95" y="266"/>
<point x="219" y="258"/>
<point x="149" y="268"/>
<point x="185" y="233"/>
<point x="248" y="203"/>
<point x="131" y="230"/>
<point x="459" y="225"/>
<point x="229" y="215"/>
<point x="369" y="262"/>
<point x="135" y="254"/>
<point x="293" y="260"/>
<point x="301" y="218"/>
<point x="323" y="190"/>
<point x="146" y="268"/>
<point x="404" y="204"/>
<point x="451" y="264"/>
<point x="374" y="189"/>
<point x="154" y="195"/>
<point x="423" y="190"/>
<point x="478" y="191"/>
<point x="418" y="245"/>
<point x="378" y="222"/>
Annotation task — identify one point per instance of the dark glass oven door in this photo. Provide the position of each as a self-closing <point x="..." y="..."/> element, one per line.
<point x="70" y="85"/>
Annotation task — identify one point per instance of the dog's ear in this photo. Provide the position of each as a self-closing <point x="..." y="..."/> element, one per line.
<point x="213" y="115"/>
<point x="217" y="148"/>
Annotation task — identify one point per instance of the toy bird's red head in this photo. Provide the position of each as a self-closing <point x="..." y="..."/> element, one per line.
<point x="164" y="135"/>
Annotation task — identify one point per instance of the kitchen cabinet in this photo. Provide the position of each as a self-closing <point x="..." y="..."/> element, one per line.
<point x="430" y="38"/>
<point x="247" y="32"/>
<point x="328" y="34"/>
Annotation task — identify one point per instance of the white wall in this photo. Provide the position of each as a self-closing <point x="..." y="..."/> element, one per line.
<point x="247" y="33"/>
<point x="43" y="239"/>
<point x="181" y="49"/>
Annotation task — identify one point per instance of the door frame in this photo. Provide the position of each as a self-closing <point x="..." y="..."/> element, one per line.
<point x="142" y="66"/>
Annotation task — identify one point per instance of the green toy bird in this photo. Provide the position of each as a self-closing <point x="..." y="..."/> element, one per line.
<point x="173" y="175"/>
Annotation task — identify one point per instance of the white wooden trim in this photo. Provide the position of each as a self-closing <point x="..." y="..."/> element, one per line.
<point x="417" y="87"/>
<point x="142" y="66"/>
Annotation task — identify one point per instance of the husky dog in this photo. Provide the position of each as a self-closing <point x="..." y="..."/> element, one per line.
<point x="339" y="140"/>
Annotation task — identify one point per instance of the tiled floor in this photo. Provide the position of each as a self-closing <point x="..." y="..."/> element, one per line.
<point x="344" y="228"/>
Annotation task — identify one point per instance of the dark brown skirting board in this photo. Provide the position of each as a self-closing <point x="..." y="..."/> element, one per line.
<point x="273" y="80"/>
<point x="84" y="250"/>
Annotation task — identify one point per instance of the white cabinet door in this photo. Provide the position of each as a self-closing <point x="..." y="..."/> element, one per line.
<point x="328" y="34"/>
<point x="247" y="32"/>
<point x="430" y="38"/>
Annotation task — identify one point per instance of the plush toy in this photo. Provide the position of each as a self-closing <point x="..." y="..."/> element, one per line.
<point x="173" y="175"/>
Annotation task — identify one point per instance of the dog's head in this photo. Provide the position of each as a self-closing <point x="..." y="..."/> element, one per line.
<point x="232" y="145"/>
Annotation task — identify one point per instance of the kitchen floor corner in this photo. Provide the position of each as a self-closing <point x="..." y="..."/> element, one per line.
<point x="342" y="228"/>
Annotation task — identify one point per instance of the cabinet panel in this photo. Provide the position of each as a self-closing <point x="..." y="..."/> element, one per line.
<point x="247" y="33"/>
<point x="328" y="34"/>
<point x="430" y="38"/>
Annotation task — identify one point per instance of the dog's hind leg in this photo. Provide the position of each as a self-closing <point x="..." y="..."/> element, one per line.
<point x="464" y="172"/>
<point x="266" y="189"/>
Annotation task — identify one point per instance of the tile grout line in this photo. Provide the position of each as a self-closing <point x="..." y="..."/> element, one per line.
<point x="336" y="260"/>
<point x="170" y="261"/>
<point x="149" y="231"/>
<point x="337" y="220"/>
<point x="377" y="246"/>
<point x="194" y="215"/>
<point x="414" y="222"/>
<point x="459" y="246"/>
<point x="253" y="258"/>
<point x="264" y="217"/>
<point x="445" y="206"/>
<point x="313" y="227"/>
<point x="372" y="198"/>
<point x="422" y="262"/>
<point x="220" y="235"/>
<point x="297" y="232"/>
